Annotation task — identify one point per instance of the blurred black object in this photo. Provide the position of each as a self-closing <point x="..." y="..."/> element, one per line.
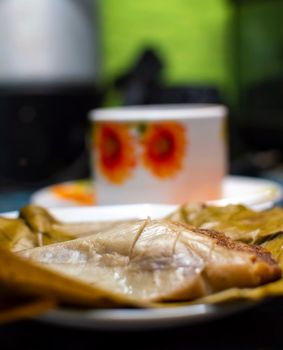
<point x="142" y="84"/>
<point x="43" y="133"/>
<point x="262" y="115"/>
<point x="185" y="94"/>
<point x="137" y="83"/>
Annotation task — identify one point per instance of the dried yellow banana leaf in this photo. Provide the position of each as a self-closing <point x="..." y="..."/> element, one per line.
<point x="15" y="235"/>
<point x="236" y="221"/>
<point x="38" y="218"/>
<point x="42" y="224"/>
<point x="14" y="310"/>
<point x="52" y="230"/>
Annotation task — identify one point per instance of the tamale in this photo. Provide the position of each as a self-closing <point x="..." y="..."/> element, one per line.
<point x="25" y="277"/>
<point x="21" y="277"/>
<point x="273" y="289"/>
<point x="154" y="260"/>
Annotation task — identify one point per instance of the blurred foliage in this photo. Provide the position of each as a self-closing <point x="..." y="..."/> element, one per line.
<point x="261" y="37"/>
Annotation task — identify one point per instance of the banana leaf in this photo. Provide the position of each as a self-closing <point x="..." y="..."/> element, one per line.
<point x="14" y="310"/>
<point x="236" y="221"/>
<point x="41" y="222"/>
<point x="15" y="235"/>
<point x="37" y="227"/>
<point x="51" y="230"/>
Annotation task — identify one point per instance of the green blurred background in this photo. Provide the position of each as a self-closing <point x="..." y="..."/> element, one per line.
<point x="191" y="35"/>
<point x="226" y="43"/>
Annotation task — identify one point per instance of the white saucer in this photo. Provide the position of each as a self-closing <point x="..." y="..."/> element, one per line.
<point x="253" y="192"/>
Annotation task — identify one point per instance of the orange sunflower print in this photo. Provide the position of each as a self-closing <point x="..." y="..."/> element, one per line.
<point x="116" y="151"/>
<point x="164" y="148"/>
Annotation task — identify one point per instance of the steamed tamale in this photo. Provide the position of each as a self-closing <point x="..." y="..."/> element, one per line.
<point x="155" y="260"/>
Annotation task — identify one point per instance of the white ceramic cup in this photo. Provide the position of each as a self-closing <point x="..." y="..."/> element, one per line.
<point x="158" y="154"/>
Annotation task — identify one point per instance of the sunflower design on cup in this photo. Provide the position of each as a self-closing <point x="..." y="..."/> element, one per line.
<point x="164" y="148"/>
<point x="116" y="151"/>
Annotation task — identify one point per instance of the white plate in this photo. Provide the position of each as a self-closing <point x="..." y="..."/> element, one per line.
<point x="131" y="318"/>
<point x="254" y="192"/>
<point x="143" y="319"/>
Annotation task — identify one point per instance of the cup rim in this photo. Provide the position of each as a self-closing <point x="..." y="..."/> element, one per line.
<point x="158" y="112"/>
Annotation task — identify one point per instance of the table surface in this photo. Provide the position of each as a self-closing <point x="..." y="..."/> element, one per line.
<point x="257" y="328"/>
